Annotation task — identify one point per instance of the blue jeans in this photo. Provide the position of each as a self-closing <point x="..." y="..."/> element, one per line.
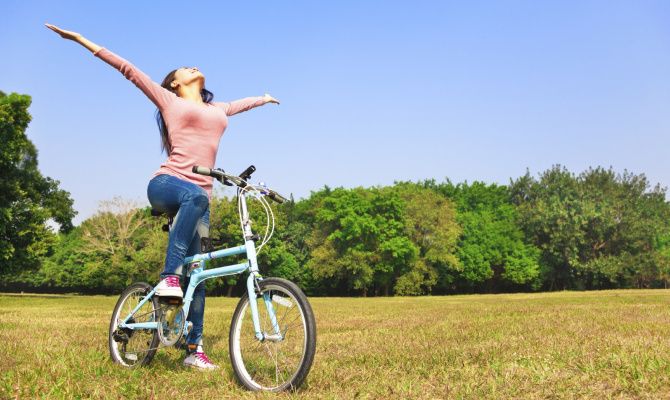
<point x="170" y="194"/>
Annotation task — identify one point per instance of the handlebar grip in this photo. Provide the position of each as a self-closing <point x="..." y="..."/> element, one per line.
<point x="277" y="197"/>
<point x="202" y="170"/>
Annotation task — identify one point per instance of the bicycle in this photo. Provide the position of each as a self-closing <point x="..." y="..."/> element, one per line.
<point x="272" y="337"/>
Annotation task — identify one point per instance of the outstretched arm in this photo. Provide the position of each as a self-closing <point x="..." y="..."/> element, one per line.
<point x="155" y="92"/>
<point x="74" y="36"/>
<point x="246" y="104"/>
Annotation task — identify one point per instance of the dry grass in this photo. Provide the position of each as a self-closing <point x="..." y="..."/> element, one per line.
<point x="612" y="344"/>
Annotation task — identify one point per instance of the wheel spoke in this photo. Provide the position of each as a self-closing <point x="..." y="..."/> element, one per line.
<point x="288" y="309"/>
<point x="290" y="324"/>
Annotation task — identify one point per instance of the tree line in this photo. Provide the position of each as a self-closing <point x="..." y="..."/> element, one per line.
<point x="559" y="230"/>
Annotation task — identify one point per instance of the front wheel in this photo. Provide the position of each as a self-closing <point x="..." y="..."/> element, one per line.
<point x="282" y="359"/>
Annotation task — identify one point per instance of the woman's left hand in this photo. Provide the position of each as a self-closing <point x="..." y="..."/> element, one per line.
<point x="270" y="99"/>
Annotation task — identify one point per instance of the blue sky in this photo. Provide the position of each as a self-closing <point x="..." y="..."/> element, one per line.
<point x="371" y="92"/>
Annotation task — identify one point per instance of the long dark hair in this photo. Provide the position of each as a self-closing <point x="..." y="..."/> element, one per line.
<point x="206" y="95"/>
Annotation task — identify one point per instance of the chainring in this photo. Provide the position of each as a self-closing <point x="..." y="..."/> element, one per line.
<point x="171" y="325"/>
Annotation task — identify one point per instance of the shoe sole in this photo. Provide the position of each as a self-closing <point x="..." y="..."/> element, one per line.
<point x="199" y="368"/>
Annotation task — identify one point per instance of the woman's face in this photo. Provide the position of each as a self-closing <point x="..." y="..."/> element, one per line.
<point x="188" y="75"/>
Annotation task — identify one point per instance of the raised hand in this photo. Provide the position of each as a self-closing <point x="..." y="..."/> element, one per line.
<point x="63" y="33"/>
<point x="74" y="36"/>
<point x="270" y="99"/>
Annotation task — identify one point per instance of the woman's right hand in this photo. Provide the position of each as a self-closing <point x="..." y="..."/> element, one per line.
<point x="74" y="36"/>
<point x="63" y="33"/>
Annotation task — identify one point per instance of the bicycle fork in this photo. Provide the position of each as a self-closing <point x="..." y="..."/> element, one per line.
<point x="252" y="287"/>
<point x="254" y="276"/>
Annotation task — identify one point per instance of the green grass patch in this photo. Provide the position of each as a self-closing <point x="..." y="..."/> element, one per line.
<point x="609" y="344"/>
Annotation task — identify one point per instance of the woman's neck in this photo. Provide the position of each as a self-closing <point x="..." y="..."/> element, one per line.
<point x="191" y="93"/>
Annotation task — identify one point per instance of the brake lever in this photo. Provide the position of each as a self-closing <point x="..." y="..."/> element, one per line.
<point x="223" y="180"/>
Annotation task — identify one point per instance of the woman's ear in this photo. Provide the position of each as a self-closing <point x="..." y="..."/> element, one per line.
<point x="174" y="84"/>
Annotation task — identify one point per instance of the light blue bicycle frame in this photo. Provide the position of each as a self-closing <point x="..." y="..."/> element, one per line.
<point x="199" y="274"/>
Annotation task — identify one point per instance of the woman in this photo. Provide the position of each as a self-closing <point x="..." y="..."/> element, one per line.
<point x="191" y="126"/>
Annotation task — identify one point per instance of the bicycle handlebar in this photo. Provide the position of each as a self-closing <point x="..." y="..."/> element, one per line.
<point x="240" y="181"/>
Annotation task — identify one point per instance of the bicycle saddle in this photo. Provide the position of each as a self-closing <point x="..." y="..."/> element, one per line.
<point x="156" y="213"/>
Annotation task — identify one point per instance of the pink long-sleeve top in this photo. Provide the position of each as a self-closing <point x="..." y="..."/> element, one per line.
<point x="194" y="129"/>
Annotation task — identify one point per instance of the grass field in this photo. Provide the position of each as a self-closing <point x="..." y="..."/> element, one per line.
<point x="612" y="344"/>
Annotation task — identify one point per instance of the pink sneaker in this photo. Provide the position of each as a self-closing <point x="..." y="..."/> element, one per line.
<point x="199" y="360"/>
<point x="169" y="287"/>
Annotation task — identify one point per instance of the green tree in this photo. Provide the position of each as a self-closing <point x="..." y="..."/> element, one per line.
<point x="627" y="222"/>
<point x="397" y="239"/>
<point x="121" y="244"/>
<point x="357" y="239"/>
<point x="431" y="226"/>
<point x="553" y="217"/>
<point x="491" y="248"/>
<point x="596" y="230"/>
<point x="27" y="199"/>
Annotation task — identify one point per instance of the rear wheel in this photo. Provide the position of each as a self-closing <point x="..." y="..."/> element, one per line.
<point x="279" y="361"/>
<point x="129" y="347"/>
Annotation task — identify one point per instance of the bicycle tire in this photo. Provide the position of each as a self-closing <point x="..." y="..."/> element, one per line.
<point x="247" y="356"/>
<point x="145" y="343"/>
